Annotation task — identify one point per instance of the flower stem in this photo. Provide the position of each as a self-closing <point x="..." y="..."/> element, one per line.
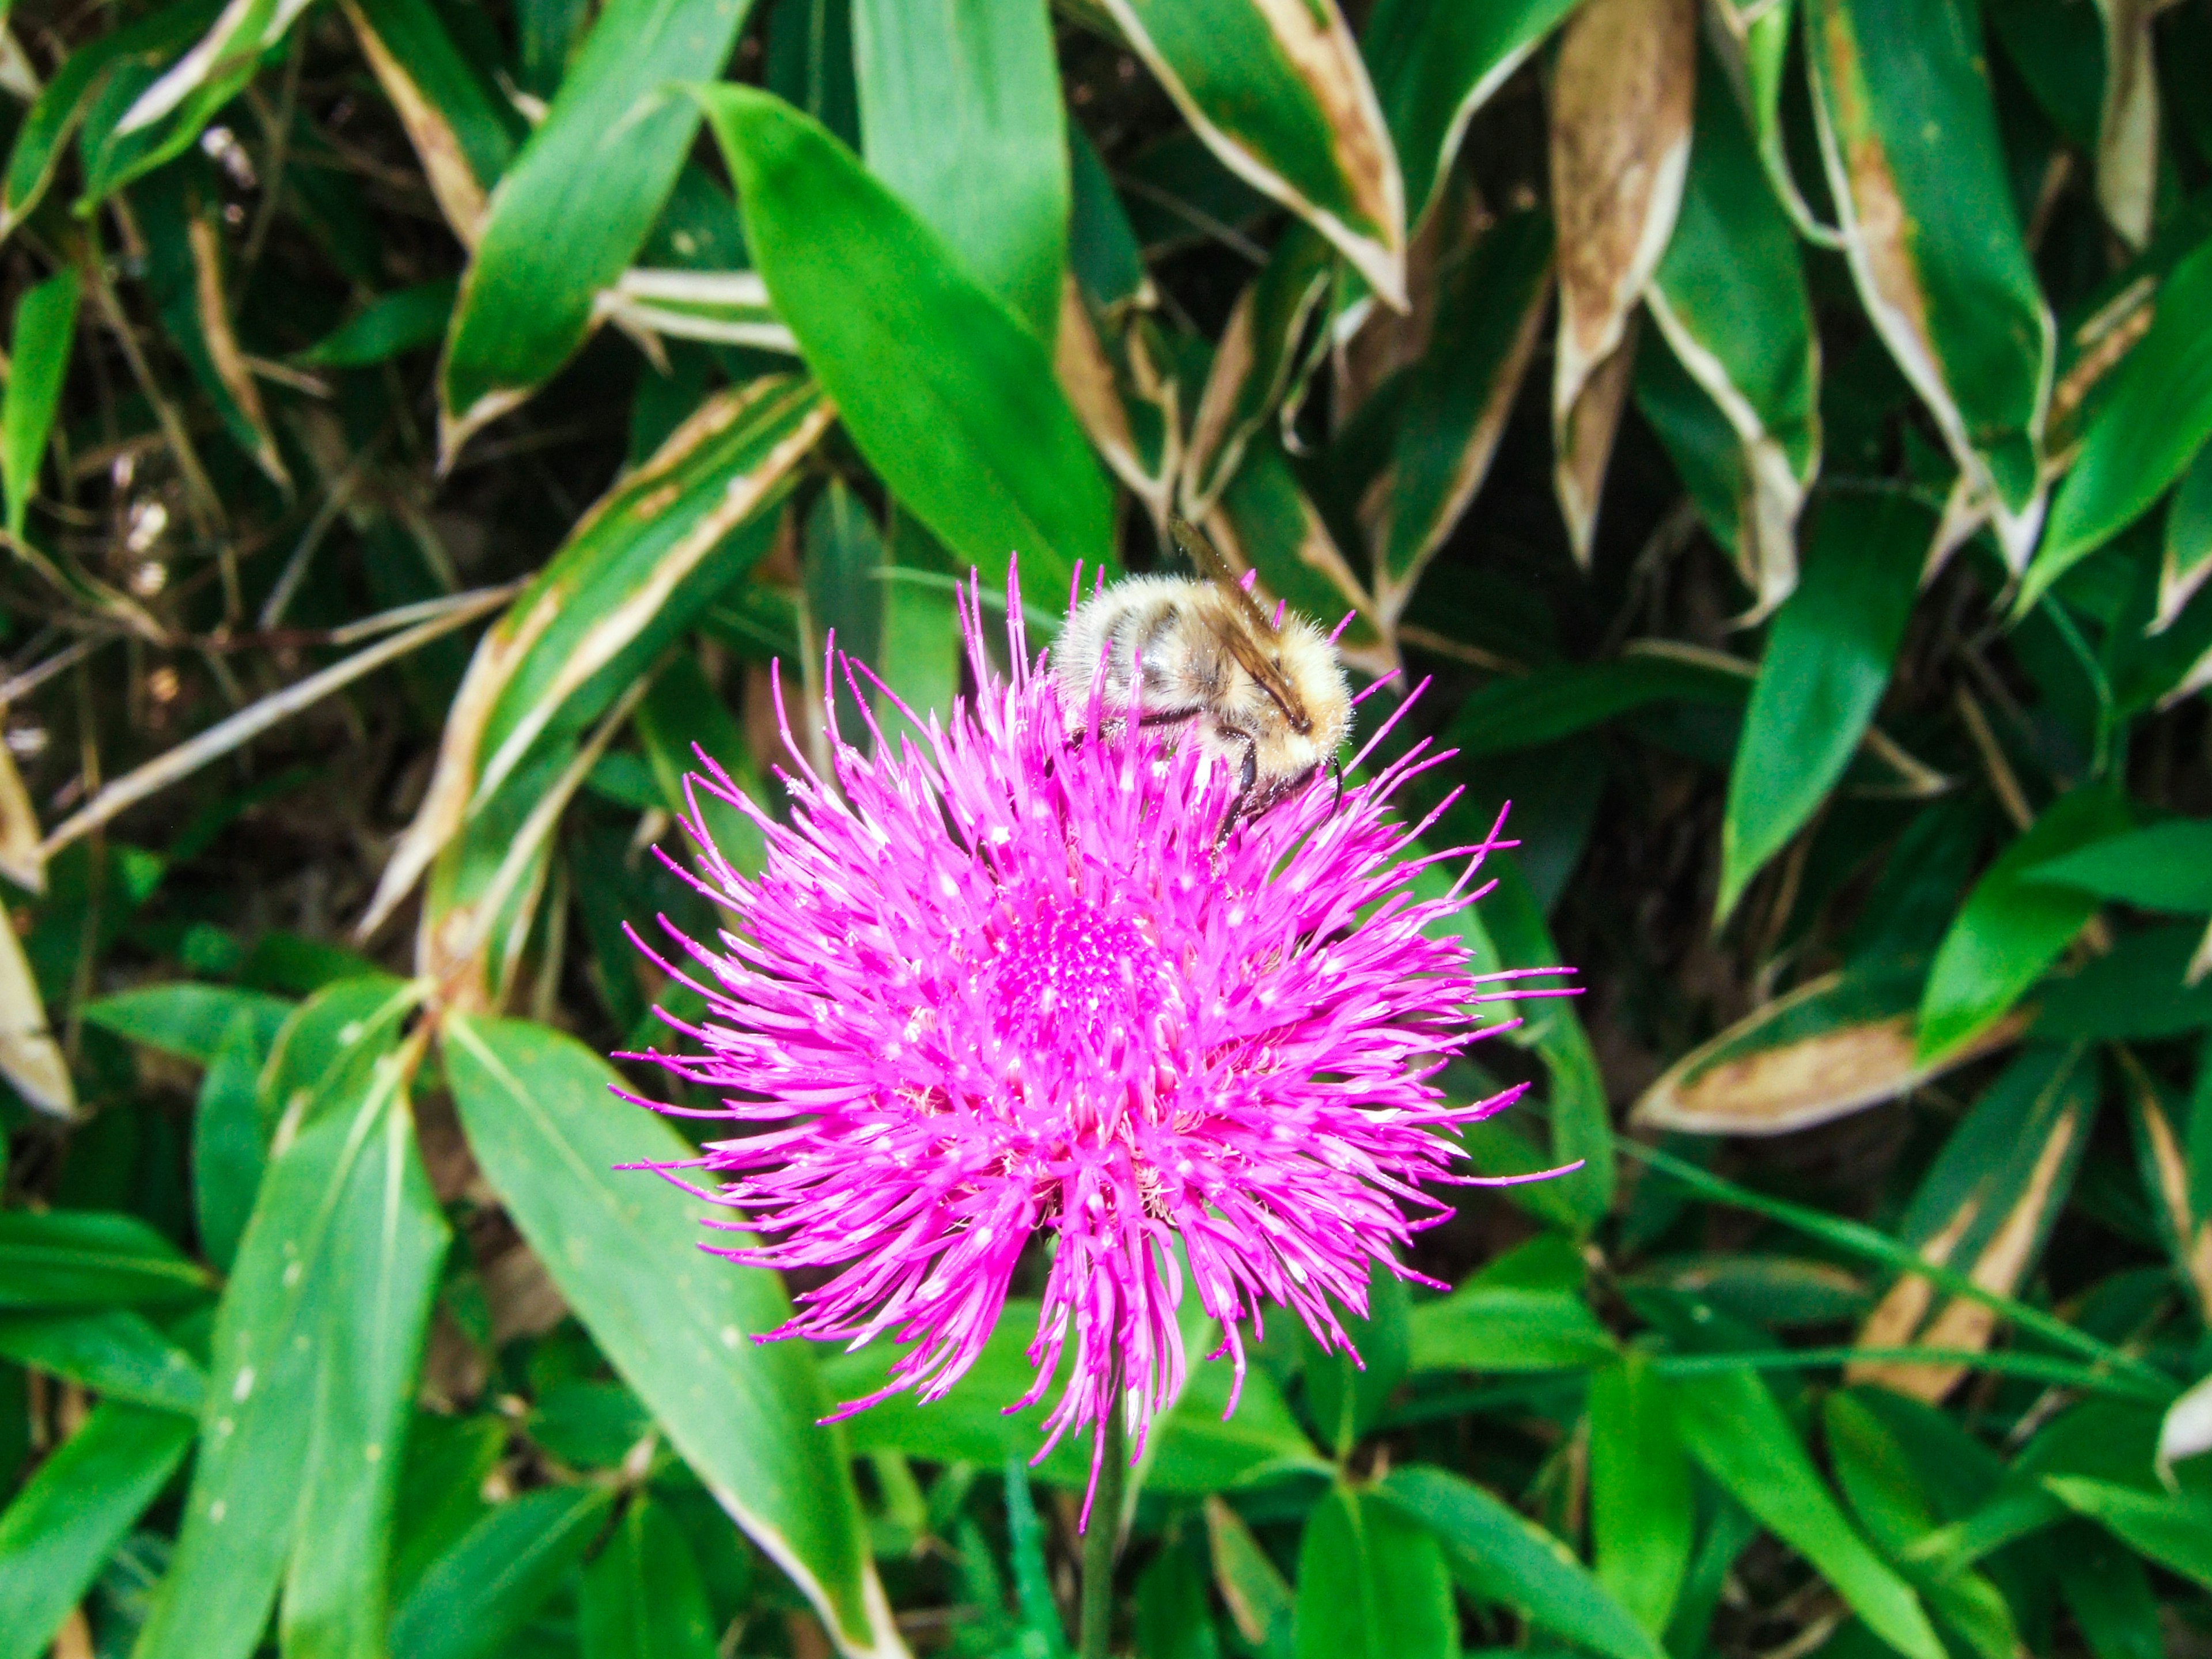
<point x="1098" y="1541"/>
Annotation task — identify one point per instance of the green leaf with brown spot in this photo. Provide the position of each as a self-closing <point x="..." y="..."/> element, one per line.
<point x="1278" y="91"/>
<point x="1910" y="145"/>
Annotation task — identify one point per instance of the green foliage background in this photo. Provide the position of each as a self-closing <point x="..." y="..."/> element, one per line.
<point x="1777" y="431"/>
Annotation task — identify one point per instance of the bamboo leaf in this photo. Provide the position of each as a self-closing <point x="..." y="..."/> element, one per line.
<point x="1435" y="66"/>
<point x="1371" y="1583"/>
<point x="538" y="1116"/>
<point x="1833" y="1046"/>
<point x="1278" y="91"/>
<point x="1516" y="1561"/>
<point x="1641" y="1519"/>
<point x="1729" y="295"/>
<point x="69" y="1518"/>
<point x="1620" y="124"/>
<point x="577" y="203"/>
<point x="38" y="360"/>
<point x="1986" y="1206"/>
<point x="947" y="394"/>
<point x="961" y="115"/>
<point x="1826" y="665"/>
<point x="1925" y="206"/>
<point x="1741" y="1438"/>
<point x="2010" y="928"/>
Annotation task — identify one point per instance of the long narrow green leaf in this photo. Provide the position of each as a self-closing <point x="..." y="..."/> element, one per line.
<point x="1435" y="66"/>
<point x="1739" y="1437"/>
<point x="542" y="1122"/>
<point x="961" y="115"/>
<point x="1826" y="665"/>
<point x="951" y="399"/>
<point x="1371" y="1583"/>
<point x="322" y="1205"/>
<point x="1518" y="1561"/>
<point x="1278" y="91"/>
<point x="1925" y="202"/>
<point x="67" y="1520"/>
<point x="115" y="1351"/>
<point x="481" y="1592"/>
<point x="1641" y="1521"/>
<point x="90" y="1259"/>
<point x="2010" y="929"/>
<point x="37" y="359"/>
<point x="577" y="204"/>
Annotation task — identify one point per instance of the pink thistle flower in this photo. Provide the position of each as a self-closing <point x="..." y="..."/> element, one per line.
<point x="1000" y="984"/>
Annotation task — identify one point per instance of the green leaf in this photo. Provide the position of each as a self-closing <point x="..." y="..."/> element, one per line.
<point x="2188" y="561"/>
<point x="38" y="360"/>
<point x="1347" y="1391"/>
<point x="845" y="596"/>
<point x="1742" y="1441"/>
<point x="166" y="116"/>
<point x="90" y="1259"/>
<point x="69" y="1516"/>
<point x="2173" y="1530"/>
<point x="961" y="115"/>
<point x="577" y="202"/>
<point x="1986" y="1207"/>
<point x="1729" y="295"/>
<point x="115" y="1351"/>
<point x="680" y="715"/>
<point x="229" y="1147"/>
<point x="632" y="574"/>
<point x="1517" y="1561"/>
<point x="1371" y="1583"/>
<point x="1925" y="205"/>
<point x="2109" y="1593"/>
<point x="2137" y="992"/>
<point x="1263" y="1607"/>
<point x="2162" y="866"/>
<point x="1174" y="1614"/>
<point x="378" y="1291"/>
<point x="482" y="1591"/>
<point x="539" y="1116"/>
<point x="2156" y="418"/>
<point x="406" y="321"/>
<point x="643" y="1597"/>
<point x="1435" y="66"/>
<point x="952" y="400"/>
<point x="127" y="58"/>
<point x="187" y="1018"/>
<point x="1822" y="675"/>
<point x="1461" y="392"/>
<point x="1254" y="363"/>
<point x="1199" y="1447"/>
<point x="1527" y="711"/>
<point x="2010" y="928"/>
<point x="921" y="653"/>
<point x="1278" y="91"/>
<point x="1641" y="1519"/>
<point x="1875" y="1470"/>
<point x="314" y="1353"/>
<point x="1485" y="1328"/>
<point x="462" y="133"/>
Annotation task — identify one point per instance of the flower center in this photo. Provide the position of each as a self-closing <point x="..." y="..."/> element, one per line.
<point x="1069" y="978"/>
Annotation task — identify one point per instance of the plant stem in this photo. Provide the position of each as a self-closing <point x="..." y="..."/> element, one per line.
<point x="1099" y="1538"/>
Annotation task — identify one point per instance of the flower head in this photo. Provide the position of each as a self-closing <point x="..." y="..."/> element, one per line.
<point x="1001" y="983"/>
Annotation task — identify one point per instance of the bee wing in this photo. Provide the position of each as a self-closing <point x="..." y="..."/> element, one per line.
<point x="1192" y="543"/>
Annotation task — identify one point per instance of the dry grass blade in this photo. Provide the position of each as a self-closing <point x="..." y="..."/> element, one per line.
<point x="250" y="722"/>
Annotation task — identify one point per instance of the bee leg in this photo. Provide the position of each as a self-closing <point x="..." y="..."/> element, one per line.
<point x="1336" y="771"/>
<point x="1247" y="779"/>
